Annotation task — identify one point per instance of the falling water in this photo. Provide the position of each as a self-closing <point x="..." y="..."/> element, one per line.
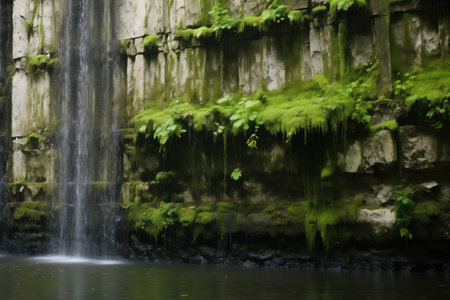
<point x="89" y="156"/>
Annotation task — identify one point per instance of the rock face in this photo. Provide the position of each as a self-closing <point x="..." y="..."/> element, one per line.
<point x="423" y="147"/>
<point x="382" y="220"/>
<point x="268" y="201"/>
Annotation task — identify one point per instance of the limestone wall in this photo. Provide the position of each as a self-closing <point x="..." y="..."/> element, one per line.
<point x="203" y="70"/>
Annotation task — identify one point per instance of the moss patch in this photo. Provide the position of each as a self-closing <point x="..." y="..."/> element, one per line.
<point x="315" y="105"/>
<point x="40" y="64"/>
<point x="27" y="216"/>
<point x="150" y="43"/>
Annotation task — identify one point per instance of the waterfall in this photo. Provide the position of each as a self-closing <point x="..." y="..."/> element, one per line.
<point x="89" y="136"/>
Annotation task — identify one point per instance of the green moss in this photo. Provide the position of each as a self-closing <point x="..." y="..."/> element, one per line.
<point x="296" y="213"/>
<point x="150" y="42"/>
<point x="165" y="176"/>
<point x="319" y="219"/>
<point x="297" y="17"/>
<point x="204" y="218"/>
<point x="246" y="22"/>
<point x="345" y="5"/>
<point x="32" y="211"/>
<point x="375" y="128"/>
<point x="145" y="217"/>
<point x="98" y="185"/>
<point x="26" y="216"/>
<point x="363" y="81"/>
<point x="187" y="216"/>
<point x="205" y="208"/>
<point x="275" y="14"/>
<point x="343" y="47"/>
<point x="315" y="105"/>
<point x="29" y="27"/>
<point x="33" y="140"/>
<point x="40" y="64"/>
<point x="327" y="171"/>
<point x="124" y="44"/>
<point x="194" y="34"/>
<point x="432" y="83"/>
<point x="390" y="125"/>
<point x="204" y="16"/>
<point x="319" y="9"/>
<point x="225" y="207"/>
<point x="425" y="211"/>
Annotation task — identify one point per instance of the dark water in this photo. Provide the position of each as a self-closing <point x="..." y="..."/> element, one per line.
<point x="31" y="278"/>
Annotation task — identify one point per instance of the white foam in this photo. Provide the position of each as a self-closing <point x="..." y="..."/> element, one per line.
<point x="61" y="259"/>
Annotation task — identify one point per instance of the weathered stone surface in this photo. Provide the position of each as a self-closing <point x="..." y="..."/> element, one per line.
<point x="33" y="165"/>
<point x="361" y="49"/>
<point x="404" y="6"/>
<point x="423" y="147"/>
<point x="351" y="161"/>
<point x="385" y="112"/>
<point x="384" y="193"/>
<point x="382" y="51"/>
<point x="296" y="4"/>
<point x="256" y="191"/>
<point x="379" y="7"/>
<point x="416" y="36"/>
<point x="378" y="149"/>
<point x="316" y="52"/>
<point x="31" y="107"/>
<point x="46" y="23"/>
<point x="361" y="156"/>
<point x="444" y="33"/>
<point x="382" y="220"/>
<point x="444" y="195"/>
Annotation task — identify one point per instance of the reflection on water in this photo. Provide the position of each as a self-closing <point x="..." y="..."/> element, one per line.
<point x="58" y="259"/>
<point x="56" y="278"/>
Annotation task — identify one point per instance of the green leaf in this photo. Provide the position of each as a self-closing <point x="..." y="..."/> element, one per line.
<point x="143" y="128"/>
<point x="236" y="174"/>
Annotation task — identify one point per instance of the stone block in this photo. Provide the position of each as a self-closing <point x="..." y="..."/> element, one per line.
<point x="382" y="221"/>
<point x="423" y="147"/>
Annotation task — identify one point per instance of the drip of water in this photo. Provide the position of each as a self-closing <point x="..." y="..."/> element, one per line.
<point x="89" y="156"/>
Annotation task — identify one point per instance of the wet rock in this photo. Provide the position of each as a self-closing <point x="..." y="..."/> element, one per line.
<point x="381" y="220"/>
<point x="444" y="195"/>
<point x="384" y="194"/>
<point x="350" y="162"/>
<point x="296" y="4"/>
<point x="378" y="149"/>
<point x="261" y="257"/>
<point x="423" y="147"/>
<point x="249" y="264"/>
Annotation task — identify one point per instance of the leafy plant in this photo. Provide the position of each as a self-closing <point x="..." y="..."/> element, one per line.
<point x="345" y="5"/>
<point x="275" y="13"/>
<point x="166" y="128"/>
<point x="169" y="216"/>
<point x="401" y="88"/>
<point x="222" y="19"/>
<point x="236" y="174"/>
<point x="403" y="211"/>
<point x="361" y="113"/>
<point x="253" y="139"/>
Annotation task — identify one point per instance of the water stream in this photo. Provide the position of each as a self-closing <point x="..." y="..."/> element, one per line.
<point x="89" y="172"/>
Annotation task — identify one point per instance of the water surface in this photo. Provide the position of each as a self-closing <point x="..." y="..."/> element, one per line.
<point x="66" y="278"/>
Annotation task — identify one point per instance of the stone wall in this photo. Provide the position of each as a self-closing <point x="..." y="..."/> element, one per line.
<point x="371" y="165"/>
